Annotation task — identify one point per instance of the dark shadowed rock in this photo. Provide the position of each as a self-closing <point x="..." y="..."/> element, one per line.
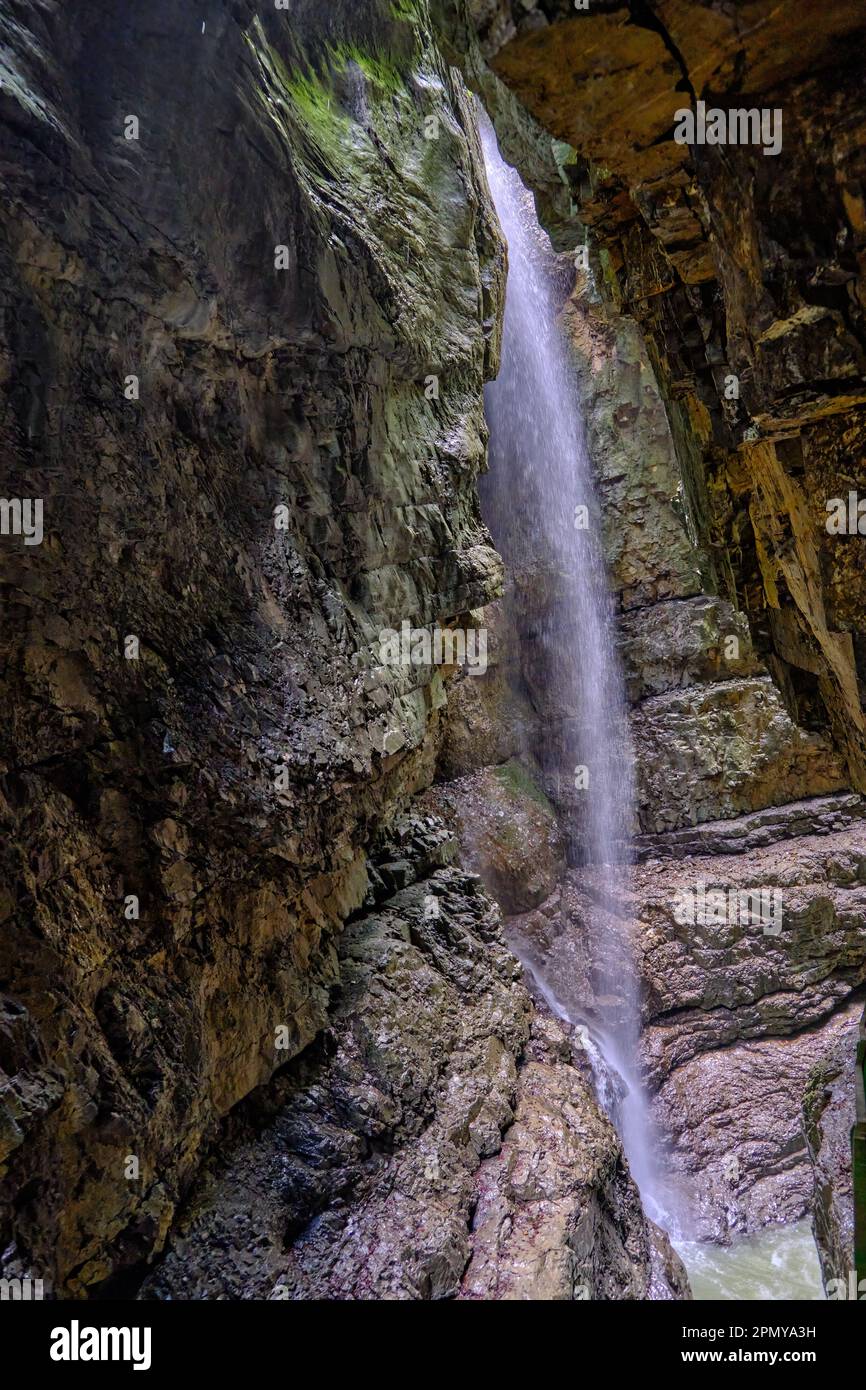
<point x="230" y="778"/>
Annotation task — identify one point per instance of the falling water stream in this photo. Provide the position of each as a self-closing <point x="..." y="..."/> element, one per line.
<point x="540" y="503"/>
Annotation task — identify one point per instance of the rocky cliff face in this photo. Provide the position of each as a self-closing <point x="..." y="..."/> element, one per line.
<point x="261" y="1034"/>
<point x="712" y="736"/>
<point x="252" y="288"/>
<point x="233" y="266"/>
<point x="743" y="270"/>
<point x="719" y="338"/>
<point x="376" y="1165"/>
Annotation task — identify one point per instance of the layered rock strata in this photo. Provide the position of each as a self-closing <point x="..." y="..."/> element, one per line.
<point x="234" y="268"/>
<point x="743" y="268"/>
<point x="437" y="1141"/>
<point x="249" y="334"/>
<point x="252" y="287"/>
<point x="732" y="793"/>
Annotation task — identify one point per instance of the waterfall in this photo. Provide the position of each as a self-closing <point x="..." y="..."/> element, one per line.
<point x="540" y="502"/>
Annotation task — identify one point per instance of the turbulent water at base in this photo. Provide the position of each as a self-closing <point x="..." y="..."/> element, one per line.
<point x="778" y="1263"/>
<point x="540" y="503"/>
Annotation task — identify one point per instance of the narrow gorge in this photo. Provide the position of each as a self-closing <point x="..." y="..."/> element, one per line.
<point x="433" y="651"/>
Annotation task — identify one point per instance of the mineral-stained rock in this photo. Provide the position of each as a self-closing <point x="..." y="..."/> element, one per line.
<point x="711" y="983"/>
<point x="248" y="308"/>
<point x="355" y="1173"/>
<point x="226" y="334"/>
<point x="508" y="833"/>
<point x="744" y="272"/>
<point x="362" y="1152"/>
<point x="490" y="719"/>
<point x="819" y="815"/>
<point x="748" y="295"/>
<point x="685" y="642"/>
<point x="829" y="1112"/>
<point x="717" y="751"/>
<point x="734" y="1121"/>
<point x="558" y="1217"/>
<point x="650" y="554"/>
<point x="711" y="734"/>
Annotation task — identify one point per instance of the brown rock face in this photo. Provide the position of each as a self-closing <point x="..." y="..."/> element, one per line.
<point x="260" y="1035"/>
<point x="557" y="1217"/>
<point x="239" y="1055"/>
<point x="371" y="1166"/>
<point x="508" y="833"/>
<point x="745" y="272"/>
<point x="739" y="1144"/>
<point x="732" y="281"/>
<point x="224" y="311"/>
<point x="378" y="1128"/>
<point x="712" y="736"/>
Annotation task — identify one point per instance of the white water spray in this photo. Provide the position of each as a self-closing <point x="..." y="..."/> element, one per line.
<point x="540" y="503"/>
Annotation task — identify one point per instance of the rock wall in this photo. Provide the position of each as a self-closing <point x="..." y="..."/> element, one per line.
<point x="259" y="1037"/>
<point x="732" y="796"/>
<point x="735" y="264"/>
<point x="218" y="345"/>
<point x="739" y="623"/>
<point x="260" y="1034"/>
<point x="712" y="736"/>
<point x="418" y="1150"/>
<point x="829" y="1113"/>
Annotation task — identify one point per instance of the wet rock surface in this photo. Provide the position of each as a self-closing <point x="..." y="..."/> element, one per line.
<point x="716" y="751"/>
<point x="224" y="394"/>
<point x="748" y="1016"/>
<point x="557" y="1215"/>
<point x="712" y="736"/>
<point x="283" y="264"/>
<point x="733" y="275"/>
<point x="685" y="642"/>
<point x="508" y="833"/>
<point x="217" y="355"/>
<point x="820" y="815"/>
<point x="753" y="966"/>
<point x="727" y="947"/>
<point x="738" y="1144"/>
<point x="710" y="287"/>
<point x="829" y="1112"/>
<point x="369" y="1168"/>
